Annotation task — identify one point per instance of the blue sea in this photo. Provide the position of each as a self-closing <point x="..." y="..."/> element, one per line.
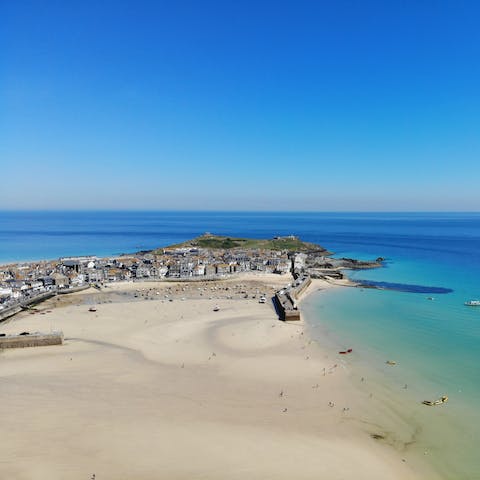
<point x="423" y="325"/>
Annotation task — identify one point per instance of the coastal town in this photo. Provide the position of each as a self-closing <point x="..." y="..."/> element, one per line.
<point x="208" y="257"/>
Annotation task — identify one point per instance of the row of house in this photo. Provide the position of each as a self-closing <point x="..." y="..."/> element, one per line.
<point x="23" y="281"/>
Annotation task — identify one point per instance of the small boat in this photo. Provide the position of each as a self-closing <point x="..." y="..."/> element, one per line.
<point x="473" y="303"/>
<point x="92" y="309"/>
<point x="432" y="403"/>
<point x="344" y="352"/>
<point x="216" y="308"/>
<point x="391" y="362"/>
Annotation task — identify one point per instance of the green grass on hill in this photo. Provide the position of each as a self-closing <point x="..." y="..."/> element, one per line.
<point x="227" y="243"/>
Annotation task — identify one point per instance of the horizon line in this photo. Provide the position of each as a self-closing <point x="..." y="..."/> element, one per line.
<point x="186" y="210"/>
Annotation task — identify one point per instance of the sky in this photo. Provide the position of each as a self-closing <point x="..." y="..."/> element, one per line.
<point x="251" y="105"/>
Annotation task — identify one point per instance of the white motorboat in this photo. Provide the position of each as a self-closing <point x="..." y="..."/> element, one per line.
<point x="473" y="303"/>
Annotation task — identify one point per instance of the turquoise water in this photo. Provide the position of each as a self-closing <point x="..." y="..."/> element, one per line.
<point x="435" y="342"/>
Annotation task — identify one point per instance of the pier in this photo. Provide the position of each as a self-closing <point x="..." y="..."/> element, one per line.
<point x="286" y="299"/>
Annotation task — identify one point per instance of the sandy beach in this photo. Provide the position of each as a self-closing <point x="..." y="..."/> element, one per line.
<point x="156" y="384"/>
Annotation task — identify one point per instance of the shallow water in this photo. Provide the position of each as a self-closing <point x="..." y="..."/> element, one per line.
<point x="435" y="344"/>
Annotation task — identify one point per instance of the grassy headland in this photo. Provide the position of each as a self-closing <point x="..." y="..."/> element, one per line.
<point x="290" y="243"/>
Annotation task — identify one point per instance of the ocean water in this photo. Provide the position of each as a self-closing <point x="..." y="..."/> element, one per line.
<point x="425" y="327"/>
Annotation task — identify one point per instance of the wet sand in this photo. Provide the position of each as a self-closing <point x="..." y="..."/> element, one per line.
<point x="158" y="385"/>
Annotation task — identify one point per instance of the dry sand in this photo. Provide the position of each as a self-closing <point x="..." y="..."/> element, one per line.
<point x="148" y="388"/>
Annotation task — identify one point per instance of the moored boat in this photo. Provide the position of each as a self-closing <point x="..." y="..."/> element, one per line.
<point x="473" y="303"/>
<point x="431" y="403"/>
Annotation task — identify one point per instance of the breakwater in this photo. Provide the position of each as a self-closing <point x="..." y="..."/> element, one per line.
<point x="26" y="339"/>
<point x="286" y="299"/>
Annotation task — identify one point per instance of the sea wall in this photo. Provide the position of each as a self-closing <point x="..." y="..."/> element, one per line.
<point x="9" y="312"/>
<point x="14" y="309"/>
<point x="18" y="307"/>
<point x="64" y="291"/>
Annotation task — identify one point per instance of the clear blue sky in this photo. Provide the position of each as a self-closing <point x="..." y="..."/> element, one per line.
<point x="251" y="105"/>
